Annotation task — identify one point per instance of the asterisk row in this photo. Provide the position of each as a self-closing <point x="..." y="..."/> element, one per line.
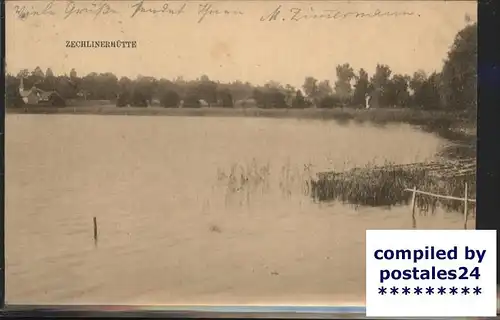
<point x="429" y="291"/>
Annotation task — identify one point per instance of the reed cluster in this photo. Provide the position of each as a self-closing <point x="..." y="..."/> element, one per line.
<point x="243" y="181"/>
<point x="385" y="186"/>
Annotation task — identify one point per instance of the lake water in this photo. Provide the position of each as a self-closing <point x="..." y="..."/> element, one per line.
<point x="174" y="226"/>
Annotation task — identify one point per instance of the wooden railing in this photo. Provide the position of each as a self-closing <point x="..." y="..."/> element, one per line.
<point x="465" y="199"/>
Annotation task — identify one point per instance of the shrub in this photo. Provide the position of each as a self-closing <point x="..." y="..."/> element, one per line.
<point x="192" y="101"/>
<point x="328" y="102"/>
<point x="56" y="100"/>
<point x="123" y="99"/>
<point x="139" y="100"/>
<point x="226" y="99"/>
<point x="299" y="102"/>
<point x="170" y="99"/>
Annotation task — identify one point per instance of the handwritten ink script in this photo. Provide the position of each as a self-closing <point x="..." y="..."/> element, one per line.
<point x="65" y="9"/>
<point x="24" y="12"/>
<point x="95" y="9"/>
<point x="165" y="8"/>
<point x="205" y="10"/>
<point x="300" y="14"/>
<point x="101" y="9"/>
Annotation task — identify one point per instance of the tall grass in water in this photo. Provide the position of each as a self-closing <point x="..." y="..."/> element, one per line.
<point x="244" y="181"/>
<point x="384" y="186"/>
<point x="293" y="178"/>
<point x="241" y="182"/>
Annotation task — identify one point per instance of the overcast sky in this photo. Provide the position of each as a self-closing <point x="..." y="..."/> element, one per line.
<point x="228" y="48"/>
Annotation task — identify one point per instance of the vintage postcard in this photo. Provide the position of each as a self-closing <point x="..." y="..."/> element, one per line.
<point x="232" y="152"/>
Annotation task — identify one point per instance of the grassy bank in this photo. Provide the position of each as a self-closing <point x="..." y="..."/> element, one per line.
<point x="378" y="116"/>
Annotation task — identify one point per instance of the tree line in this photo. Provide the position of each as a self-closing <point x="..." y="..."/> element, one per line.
<point x="454" y="87"/>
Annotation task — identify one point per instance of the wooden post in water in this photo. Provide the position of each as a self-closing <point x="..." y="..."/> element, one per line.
<point x="95" y="231"/>
<point x="413" y="203"/>
<point x="466" y="202"/>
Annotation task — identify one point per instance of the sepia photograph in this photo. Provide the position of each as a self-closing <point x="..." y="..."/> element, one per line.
<point x="229" y="152"/>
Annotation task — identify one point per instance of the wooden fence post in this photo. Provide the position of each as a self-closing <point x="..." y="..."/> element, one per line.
<point x="95" y="231"/>
<point x="465" y="199"/>
<point x="413" y="203"/>
<point x="466" y="202"/>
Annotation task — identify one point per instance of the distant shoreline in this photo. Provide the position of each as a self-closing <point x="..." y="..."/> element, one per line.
<point x="457" y="126"/>
<point x="376" y="114"/>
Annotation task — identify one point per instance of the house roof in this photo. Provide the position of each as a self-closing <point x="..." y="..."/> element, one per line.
<point x="45" y="95"/>
<point x="25" y="93"/>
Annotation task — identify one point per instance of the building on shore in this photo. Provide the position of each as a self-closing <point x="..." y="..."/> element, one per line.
<point x="36" y="96"/>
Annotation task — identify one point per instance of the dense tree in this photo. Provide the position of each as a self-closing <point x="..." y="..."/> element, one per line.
<point x="330" y="102"/>
<point x="361" y="88"/>
<point x="429" y="96"/>
<point x="226" y="99"/>
<point x="259" y="97"/>
<point x="65" y="88"/>
<point x="38" y="73"/>
<point x="102" y="86"/>
<point x="192" y="99"/>
<point x="145" y="88"/>
<point x="324" y="89"/>
<point x="238" y="89"/>
<point x="12" y="96"/>
<point x="397" y="93"/>
<point x="310" y="87"/>
<point x="380" y="83"/>
<point x="125" y="84"/>
<point x="49" y="73"/>
<point x="50" y="80"/>
<point x="299" y="101"/>
<point x="170" y="99"/>
<point x="459" y="74"/>
<point x="204" y="78"/>
<point x="23" y="73"/>
<point x="426" y="90"/>
<point x="416" y="84"/>
<point x="56" y="100"/>
<point x="290" y="94"/>
<point x="276" y="99"/>
<point x="269" y="98"/>
<point x="139" y="99"/>
<point x="343" y="88"/>
<point x="273" y="85"/>
<point x="207" y="90"/>
<point x="123" y="99"/>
